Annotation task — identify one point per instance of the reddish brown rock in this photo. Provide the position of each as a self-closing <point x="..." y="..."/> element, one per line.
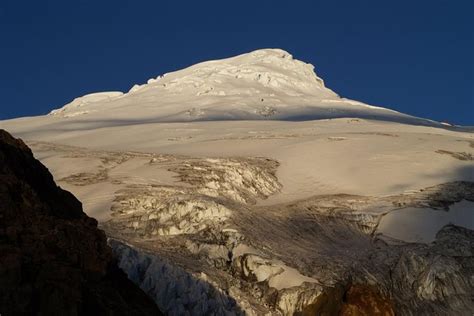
<point x="361" y="300"/>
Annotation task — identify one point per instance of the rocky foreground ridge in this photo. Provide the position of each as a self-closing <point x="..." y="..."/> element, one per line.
<point x="54" y="260"/>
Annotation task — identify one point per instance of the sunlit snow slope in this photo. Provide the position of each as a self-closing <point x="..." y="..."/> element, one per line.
<point x="262" y="103"/>
<point x="264" y="84"/>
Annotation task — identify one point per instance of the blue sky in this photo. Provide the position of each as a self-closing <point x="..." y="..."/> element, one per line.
<point x="412" y="56"/>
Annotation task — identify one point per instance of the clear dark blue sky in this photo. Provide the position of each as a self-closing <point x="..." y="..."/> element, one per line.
<point x="413" y="56"/>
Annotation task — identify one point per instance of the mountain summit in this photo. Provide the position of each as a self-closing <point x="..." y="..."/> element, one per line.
<point x="222" y="191"/>
<point x="264" y="71"/>
<point x="263" y="84"/>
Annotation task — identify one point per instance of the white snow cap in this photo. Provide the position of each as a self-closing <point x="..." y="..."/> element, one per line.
<point x="271" y="74"/>
<point x="266" y="69"/>
<point x="266" y="84"/>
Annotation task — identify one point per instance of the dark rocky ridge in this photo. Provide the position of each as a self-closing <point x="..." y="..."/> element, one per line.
<point x="54" y="260"/>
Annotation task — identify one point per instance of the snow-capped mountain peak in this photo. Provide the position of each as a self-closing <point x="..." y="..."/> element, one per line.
<point x="261" y="71"/>
<point x="263" y="84"/>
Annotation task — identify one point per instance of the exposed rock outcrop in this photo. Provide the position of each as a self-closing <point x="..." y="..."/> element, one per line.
<point x="362" y="300"/>
<point x="54" y="260"/>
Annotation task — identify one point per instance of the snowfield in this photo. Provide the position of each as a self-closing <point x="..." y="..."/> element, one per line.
<point x="244" y="185"/>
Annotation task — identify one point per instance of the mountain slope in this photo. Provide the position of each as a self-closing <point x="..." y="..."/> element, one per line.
<point x="54" y="259"/>
<point x="220" y="192"/>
